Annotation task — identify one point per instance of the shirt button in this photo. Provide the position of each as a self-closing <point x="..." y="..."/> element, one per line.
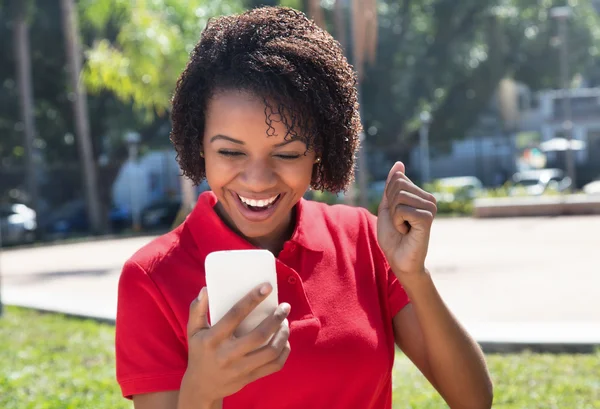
<point x="292" y="280"/>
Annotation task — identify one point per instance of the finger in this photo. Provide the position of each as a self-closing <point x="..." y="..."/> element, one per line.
<point x="403" y="214"/>
<point x="279" y="348"/>
<point x="398" y="168"/>
<point x="405" y="197"/>
<point x="408" y="194"/>
<point x="402" y="182"/>
<point x="233" y="318"/>
<point x="260" y="335"/>
<point x="198" y="316"/>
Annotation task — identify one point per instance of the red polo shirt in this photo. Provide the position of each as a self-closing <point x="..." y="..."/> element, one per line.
<point x="333" y="274"/>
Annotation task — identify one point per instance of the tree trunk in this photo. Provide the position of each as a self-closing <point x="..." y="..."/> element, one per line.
<point x="361" y="21"/>
<point x="86" y="154"/>
<point x="339" y="28"/>
<point x="339" y="24"/>
<point x="188" y="200"/>
<point x="316" y="13"/>
<point x="23" y="69"/>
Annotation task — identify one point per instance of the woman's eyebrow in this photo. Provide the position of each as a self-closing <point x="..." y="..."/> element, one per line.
<point x="279" y="145"/>
<point x="237" y="141"/>
<point x="226" y="138"/>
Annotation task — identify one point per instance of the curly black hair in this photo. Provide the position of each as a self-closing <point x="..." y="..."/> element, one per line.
<point x="297" y="68"/>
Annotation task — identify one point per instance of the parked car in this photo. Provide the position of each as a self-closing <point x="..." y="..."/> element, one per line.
<point x="592" y="188"/>
<point x="71" y="218"/>
<point x="18" y="224"/>
<point x="538" y="182"/>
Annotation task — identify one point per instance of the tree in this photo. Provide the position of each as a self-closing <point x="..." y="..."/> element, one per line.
<point x="150" y="49"/>
<point x="58" y="168"/>
<point x="23" y="69"/>
<point x="86" y="154"/>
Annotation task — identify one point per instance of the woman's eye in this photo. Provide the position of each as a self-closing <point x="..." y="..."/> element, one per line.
<point x="288" y="157"/>
<point x="230" y="153"/>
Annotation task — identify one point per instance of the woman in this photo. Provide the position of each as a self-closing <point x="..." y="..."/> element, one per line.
<point x="265" y="109"/>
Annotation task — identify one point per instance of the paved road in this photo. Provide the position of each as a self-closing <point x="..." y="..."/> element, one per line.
<point x="529" y="276"/>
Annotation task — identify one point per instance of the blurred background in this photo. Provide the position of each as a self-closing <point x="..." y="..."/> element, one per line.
<point x="500" y="93"/>
<point x="493" y="105"/>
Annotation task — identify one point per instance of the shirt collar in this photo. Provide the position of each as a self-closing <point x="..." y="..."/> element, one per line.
<point x="311" y="230"/>
<point x="211" y="234"/>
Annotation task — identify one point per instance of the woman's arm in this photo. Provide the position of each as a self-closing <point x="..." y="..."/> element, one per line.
<point x="170" y="400"/>
<point x="158" y="400"/>
<point x="432" y="338"/>
<point x="426" y="330"/>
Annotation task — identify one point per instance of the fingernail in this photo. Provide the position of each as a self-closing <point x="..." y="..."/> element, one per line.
<point x="264" y="290"/>
<point x="201" y="295"/>
<point x="285" y="308"/>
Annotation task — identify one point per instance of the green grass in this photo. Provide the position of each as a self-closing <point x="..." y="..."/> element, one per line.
<point x="49" y="361"/>
<point x="521" y="381"/>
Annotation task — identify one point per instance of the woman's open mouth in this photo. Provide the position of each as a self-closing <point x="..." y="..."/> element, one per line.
<point x="256" y="209"/>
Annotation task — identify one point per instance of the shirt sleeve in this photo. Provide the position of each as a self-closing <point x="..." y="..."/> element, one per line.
<point x="150" y="354"/>
<point x="397" y="298"/>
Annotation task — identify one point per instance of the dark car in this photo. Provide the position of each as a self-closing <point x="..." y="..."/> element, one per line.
<point x="71" y="219"/>
<point x="160" y="214"/>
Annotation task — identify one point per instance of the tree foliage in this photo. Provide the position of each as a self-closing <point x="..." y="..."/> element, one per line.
<point x="443" y="55"/>
<point x="448" y="57"/>
<point x="152" y="44"/>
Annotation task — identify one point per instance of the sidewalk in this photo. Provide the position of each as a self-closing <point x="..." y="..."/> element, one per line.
<point x="511" y="282"/>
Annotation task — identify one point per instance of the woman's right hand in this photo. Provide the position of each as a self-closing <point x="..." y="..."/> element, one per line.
<point x="220" y="364"/>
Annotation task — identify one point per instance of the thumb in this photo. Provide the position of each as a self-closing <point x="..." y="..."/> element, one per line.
<point x="398" y="167"/>
<point x="198" y="319"/>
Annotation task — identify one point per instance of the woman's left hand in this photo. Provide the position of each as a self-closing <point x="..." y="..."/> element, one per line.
<point x="404" y="221"/>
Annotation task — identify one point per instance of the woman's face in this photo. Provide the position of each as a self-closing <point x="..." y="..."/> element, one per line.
<point x="257" y="178"/>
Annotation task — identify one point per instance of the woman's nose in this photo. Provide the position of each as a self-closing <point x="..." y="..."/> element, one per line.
<point x="259" y="176"/>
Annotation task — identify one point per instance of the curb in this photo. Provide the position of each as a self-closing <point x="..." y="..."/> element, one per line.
<point x="488" y="347"/>
<point x="539" y="347"/>
<point x="78" y="240"/>
<point x="67" y="314"/>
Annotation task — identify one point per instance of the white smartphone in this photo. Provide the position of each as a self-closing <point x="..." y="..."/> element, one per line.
<point x="232" y="274"/>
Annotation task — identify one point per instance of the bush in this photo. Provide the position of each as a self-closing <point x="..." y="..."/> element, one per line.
<point x="462" y="206"/>
<point x="452" y="200"/>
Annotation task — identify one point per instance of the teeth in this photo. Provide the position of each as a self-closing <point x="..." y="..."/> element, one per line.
<point x="258" y="203"/>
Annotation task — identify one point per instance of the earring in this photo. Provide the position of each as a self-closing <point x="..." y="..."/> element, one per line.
<point x="318" y="160"/>
<point x="201" y="154"/>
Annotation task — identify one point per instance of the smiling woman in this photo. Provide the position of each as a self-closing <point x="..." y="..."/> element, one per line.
<point x="257" y="179"/>
<point x="265" y="109"/>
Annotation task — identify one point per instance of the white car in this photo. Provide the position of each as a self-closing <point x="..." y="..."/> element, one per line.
<point x="592" y="188"/>
<point x="17" y="224"/>
<point x="537" y="182"/>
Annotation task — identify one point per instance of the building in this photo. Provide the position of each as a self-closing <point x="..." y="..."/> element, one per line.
<point x="493" y="147"/>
